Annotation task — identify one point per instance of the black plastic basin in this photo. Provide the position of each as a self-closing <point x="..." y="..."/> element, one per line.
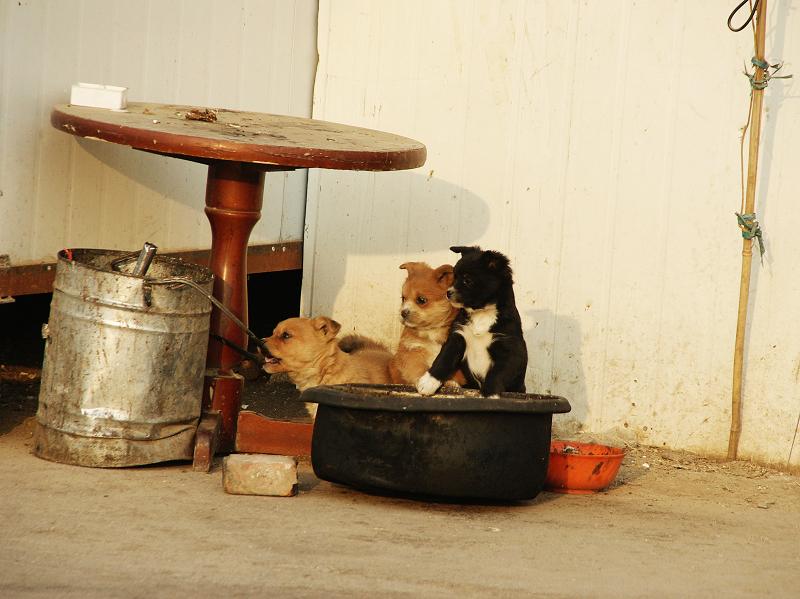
<point x="388" y="437"/>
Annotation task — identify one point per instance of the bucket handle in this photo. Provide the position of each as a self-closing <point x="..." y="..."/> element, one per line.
<point x="182" y="281"/>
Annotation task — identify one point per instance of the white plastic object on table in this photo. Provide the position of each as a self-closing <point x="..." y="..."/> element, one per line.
<point x="96" y="95"/>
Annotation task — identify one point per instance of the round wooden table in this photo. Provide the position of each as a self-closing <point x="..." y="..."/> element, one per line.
<point x="238" y="147"/>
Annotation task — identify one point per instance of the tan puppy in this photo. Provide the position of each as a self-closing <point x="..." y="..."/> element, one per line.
<point x="307" y="350"/>
<point x="427" y="316"/>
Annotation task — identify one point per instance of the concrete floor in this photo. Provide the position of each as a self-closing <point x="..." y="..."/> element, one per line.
<point x="678" y="527"/>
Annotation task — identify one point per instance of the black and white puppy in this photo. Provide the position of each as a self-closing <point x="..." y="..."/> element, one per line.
<point x="485" y="339"/>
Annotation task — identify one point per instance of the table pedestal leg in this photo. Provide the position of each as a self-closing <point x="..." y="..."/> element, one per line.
<point x="206" y="439"/>
<point x="233" y="205"/>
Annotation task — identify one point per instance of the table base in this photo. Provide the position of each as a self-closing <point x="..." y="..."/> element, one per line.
<point x="257" y="433"/>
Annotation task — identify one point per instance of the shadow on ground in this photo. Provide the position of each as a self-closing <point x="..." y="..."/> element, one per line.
<point x="19" y="393"/>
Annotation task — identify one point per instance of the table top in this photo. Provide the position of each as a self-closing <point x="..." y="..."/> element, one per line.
<point x="210" y="135"/>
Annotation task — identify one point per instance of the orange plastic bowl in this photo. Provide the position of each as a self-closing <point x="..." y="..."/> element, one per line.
<point x="581" y="468"/>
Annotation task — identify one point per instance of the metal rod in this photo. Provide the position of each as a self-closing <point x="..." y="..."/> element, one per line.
<point x="181" y="281"/>
<point x="257" y="358"/>
<point x="145" y="259"/>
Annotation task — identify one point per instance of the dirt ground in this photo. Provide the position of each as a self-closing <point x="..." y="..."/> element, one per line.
<point x="672" y="525"/>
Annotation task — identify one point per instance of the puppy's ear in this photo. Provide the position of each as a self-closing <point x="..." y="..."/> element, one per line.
<point x="411" y="266"/>
<point x="464" y="249"/>
<point x="444" y="275"/>
<point x="498" y="262"/>
<point x="326" y="326"/>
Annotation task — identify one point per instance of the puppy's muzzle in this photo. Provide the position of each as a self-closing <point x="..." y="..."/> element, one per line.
<point x="453" y="298"/>
<point x="268" y="357"/>
<point x="404" y="314"/>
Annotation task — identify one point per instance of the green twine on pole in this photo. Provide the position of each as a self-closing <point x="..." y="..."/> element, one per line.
<point x="751" y="229"/>
<point x="765" y="67"/>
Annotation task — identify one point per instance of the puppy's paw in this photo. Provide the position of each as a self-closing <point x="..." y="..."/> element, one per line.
<point x="493" y="396"/>
<point x="311" y="408"/>
<point x="427" y="384"/>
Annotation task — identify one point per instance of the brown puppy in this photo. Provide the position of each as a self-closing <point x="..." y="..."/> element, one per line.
<point x="307" y="350"/>
<point x="427" y="316"/>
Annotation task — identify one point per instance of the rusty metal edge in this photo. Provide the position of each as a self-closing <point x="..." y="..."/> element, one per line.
<point x="37" y="277"/>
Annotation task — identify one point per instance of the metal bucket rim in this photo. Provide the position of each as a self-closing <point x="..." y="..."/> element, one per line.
<point x="199" y="274"/>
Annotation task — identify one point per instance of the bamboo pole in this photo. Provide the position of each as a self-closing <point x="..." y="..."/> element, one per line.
<point x="747" y="244"/>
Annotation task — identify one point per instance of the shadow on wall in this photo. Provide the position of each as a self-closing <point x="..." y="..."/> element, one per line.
<point x="774" y="100"/>
<point x="554" y="364"/>
<point x="401" y="214"/>
<point x="169" y="177"/>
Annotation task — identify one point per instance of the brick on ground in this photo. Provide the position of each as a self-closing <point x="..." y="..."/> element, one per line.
<point x="259" y="474"/>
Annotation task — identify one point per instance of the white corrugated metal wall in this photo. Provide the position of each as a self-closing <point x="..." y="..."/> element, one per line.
<point x="597" y="143"/>
<point x="57" y="191"/>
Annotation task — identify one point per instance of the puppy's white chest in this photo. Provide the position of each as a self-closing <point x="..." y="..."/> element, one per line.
<point x="476" y="334"/>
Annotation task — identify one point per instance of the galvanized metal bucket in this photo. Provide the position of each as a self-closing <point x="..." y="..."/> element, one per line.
<point x="124" y="361"/>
